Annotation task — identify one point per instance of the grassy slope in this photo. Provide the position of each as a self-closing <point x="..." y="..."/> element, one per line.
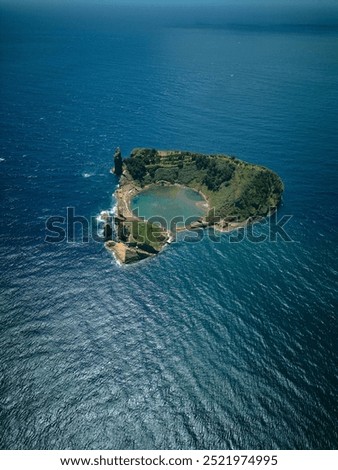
<point x="150" y="234"/>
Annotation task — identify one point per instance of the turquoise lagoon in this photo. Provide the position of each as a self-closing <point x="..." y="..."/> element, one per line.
<point x="169" y="203"/>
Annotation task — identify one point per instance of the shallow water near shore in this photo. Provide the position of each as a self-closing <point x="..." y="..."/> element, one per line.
<point x="171" y="203"/>
<point x="210" y="345"/>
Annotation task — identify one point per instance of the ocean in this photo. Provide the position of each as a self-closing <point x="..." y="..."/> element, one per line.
<point x="218" y="344"/>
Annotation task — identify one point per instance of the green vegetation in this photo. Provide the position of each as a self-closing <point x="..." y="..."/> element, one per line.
<point x="218" y="171"/>
<point x="142" y="234"/>
<point x="136" y="168"/>
<point x="234" y="188"/>
<point x="145" y="233"/>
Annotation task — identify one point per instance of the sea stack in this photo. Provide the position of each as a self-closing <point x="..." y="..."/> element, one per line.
<point x="107" y="232"/>
<point x="118" y="162"/>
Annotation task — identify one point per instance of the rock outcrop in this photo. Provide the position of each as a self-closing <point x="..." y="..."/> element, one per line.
<point x="107" y="232"/>
<point x="129" y="254"/>
<point x="118" y="162"/>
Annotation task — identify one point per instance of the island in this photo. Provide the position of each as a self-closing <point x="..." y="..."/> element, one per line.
<point x="236" y="193"/>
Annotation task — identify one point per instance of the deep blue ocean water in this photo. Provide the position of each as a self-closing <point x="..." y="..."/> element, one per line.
<point x="211" y="344"/>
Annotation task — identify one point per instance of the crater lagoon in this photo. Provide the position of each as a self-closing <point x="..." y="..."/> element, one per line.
<point x="169" y="203"/>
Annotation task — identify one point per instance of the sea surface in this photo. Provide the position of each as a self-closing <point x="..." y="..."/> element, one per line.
<point x="220" y="344"/>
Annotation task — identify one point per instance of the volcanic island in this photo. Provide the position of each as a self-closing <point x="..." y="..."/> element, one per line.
<point x="235" y="193"/>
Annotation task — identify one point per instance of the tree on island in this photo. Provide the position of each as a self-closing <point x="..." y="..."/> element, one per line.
<point x="118" y="162"/>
